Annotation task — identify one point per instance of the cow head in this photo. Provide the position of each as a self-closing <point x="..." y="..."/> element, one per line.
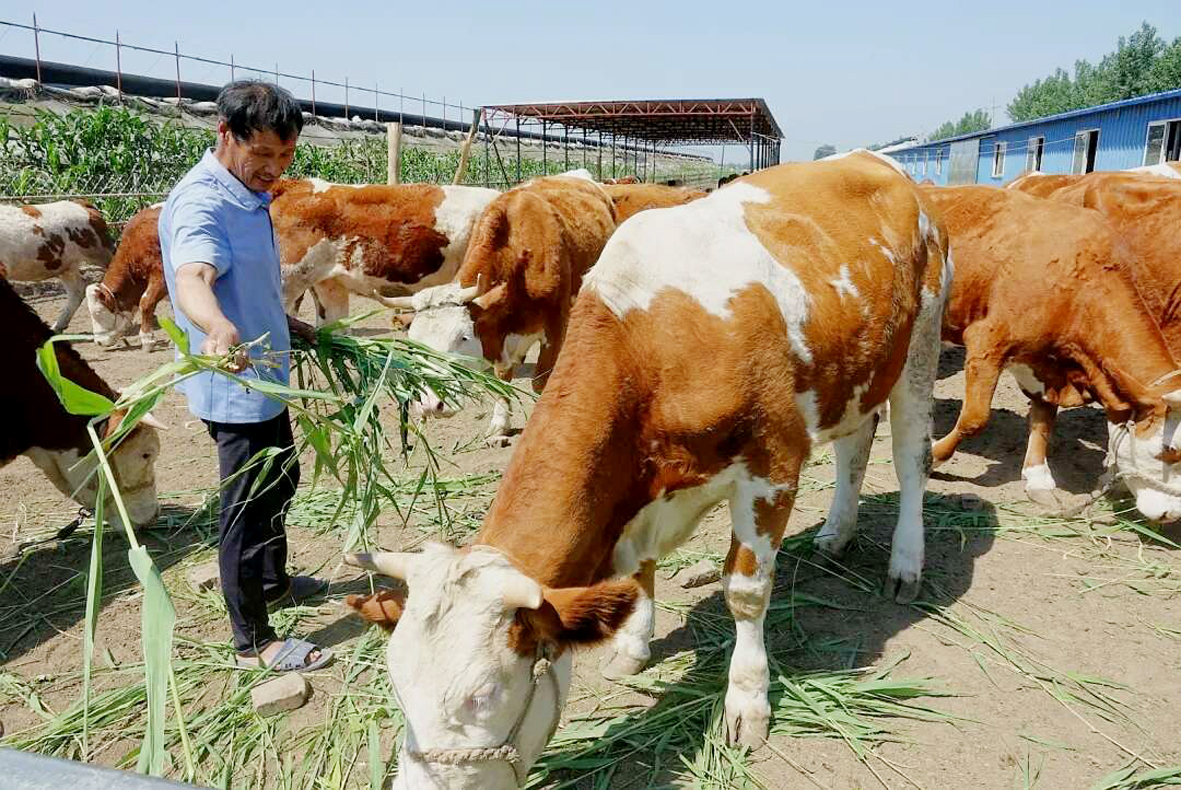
<point x="480" y="661"/>
<point x="133" y="462"/>
<point x="1147" y="455"/>
<point x="106" y="319"/>
<point x="445" y="320"/>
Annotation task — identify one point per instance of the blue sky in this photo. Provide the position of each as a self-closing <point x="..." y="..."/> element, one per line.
<point x="845" y="73"/>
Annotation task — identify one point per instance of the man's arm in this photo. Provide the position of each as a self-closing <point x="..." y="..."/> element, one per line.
<point x="194" y="293"/>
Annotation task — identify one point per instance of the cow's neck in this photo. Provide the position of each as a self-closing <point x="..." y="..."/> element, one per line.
<point x="1128" y="358"/>
<point x="576" y="478"/>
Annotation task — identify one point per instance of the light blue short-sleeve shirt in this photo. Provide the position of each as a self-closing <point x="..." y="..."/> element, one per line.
<point x="211" y="217"/>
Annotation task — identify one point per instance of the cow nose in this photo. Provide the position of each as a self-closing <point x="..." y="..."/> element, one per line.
<point x="439" y="407"/>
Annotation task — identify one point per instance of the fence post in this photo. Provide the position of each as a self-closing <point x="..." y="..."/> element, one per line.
<point x="276" y="73"/>
<point x="487" y="159"/>
<point x="466" y="151"/>
<point x="346" y="98"/>
<point x="37" y="46"/>
<point x="376" y="102"/>
<point x="393" y="136"/>
<point x="313" y="91"/>
<point x="119" y="66"/>
<point x="176" y="45"/>
<point x="233" y="76"/>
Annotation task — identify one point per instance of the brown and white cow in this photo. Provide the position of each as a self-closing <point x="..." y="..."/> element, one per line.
<point x="38" y="426"/>
<point x="54" y="240"/>
<point x="134" y="281"/>
<point x="711" y="348"/>
<point x="529" y="251"/>
<point x="631" y="199"/>
<point x="337" y="239"/>
<point x="1046" y="290"/>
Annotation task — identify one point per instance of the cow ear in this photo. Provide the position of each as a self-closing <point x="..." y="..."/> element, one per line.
<point x="384" y="607"/>
<point x="581" y="616"/>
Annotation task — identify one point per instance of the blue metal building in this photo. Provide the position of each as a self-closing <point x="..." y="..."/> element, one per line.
<point x="1117" y="136"/>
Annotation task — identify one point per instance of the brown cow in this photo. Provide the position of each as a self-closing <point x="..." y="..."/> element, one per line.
<point x="338" y="239"/>
<point x="712" y="347"/>
<point x="134" y="280"/>
<point x="1044" y="290"/>
<point x="54" y="240"/>
<point x="37" y="425"/>
<point x="528" y="254"/>
<point x="630" y="199"/>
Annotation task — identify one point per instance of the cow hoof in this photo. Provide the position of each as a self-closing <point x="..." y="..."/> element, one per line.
<point x="824" y="558"/>
<point x="622" y="665"/>
<point x="748" y="727"/>
<point x="498" y="440"/>
<point x="902" y="590"/>
<point x="1046" y="497"/>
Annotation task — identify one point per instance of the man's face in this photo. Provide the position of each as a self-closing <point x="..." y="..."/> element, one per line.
<point x="259" y="160"/>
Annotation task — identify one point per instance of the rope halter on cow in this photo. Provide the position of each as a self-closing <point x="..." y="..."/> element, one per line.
<point x="508" y="752"/>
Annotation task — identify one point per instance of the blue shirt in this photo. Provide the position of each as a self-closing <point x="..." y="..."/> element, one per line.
<point x="211" y="217"/>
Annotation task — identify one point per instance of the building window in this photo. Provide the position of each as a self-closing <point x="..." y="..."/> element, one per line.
<point x="1033" y="154"/>
<point x="998" y="159"/>
<point x="1086" y="145"/>
<point x="938" y="161"/>
<point x="1164" y="142"/>
<point x="925" y="153"/>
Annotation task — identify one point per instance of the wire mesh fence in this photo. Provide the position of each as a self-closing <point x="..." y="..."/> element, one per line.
<point x="122" y="160"/>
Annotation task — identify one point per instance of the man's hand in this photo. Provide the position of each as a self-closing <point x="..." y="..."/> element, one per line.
<point x="220" y="339"/>
<point x="304" y="331"/>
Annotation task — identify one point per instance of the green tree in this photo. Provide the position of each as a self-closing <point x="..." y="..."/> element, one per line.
<point x="972" y="121"/>
<point x="1141" y="63"/>
<point x="1165" y="74"/>
<point x="825" y="150"/>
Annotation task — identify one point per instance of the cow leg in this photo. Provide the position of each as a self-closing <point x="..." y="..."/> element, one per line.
<point x="555" y="336"/>
<point x="75" y="294"/>
<point x="911" y="403"/>
<point x="981" y="374"/>
<point x="852" y="457"/>
<point x="500" y="426"/>
<point x="759" y="520"/>
<point x="148" y="324"/>
<point x="1040" y="486"/>
<point x="332" y="302"/>
<point x="631" y="640"/>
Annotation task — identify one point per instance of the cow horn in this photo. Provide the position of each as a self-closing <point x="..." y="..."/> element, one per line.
<point x="396" y="302"/>
<point x="1172" y="398"/>
<point x="152" y="421"/>
<point x="394" y="564"/>
<point x="466" y="295"/>
<point x="521" y="592"/>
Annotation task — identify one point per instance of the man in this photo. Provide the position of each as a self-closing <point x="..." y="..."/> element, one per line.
<point x="221" y="264"/>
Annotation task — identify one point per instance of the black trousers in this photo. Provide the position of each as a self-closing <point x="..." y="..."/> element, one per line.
<point x="252" y="555"/>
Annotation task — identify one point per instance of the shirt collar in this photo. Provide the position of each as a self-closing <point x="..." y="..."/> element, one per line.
<point x="249" y="199"/>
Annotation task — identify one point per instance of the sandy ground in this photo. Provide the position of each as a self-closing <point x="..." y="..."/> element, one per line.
<point x="1092" y="603"/>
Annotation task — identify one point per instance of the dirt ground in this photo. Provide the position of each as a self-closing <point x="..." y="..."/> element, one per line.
<point x="1066" y="665"/>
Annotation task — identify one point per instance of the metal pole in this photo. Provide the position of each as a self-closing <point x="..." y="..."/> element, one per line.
<point x="600" y="173"/>
<point x="566" y="146"/>
<point x="613" y="154"/>
<point x="518" y="150"/>
<point x="37" y="46"/>
<point x="752" y="142"/>
<point x="487" y="161"/>
<point x="119" y="65"/>
<point x="276" y="73"/>
<point x="424" y="110"/>
<point x="176" y="45"/>
<point x="313" y="91"/>
<point x="376" y="101"/>
<point x="544" y="149"/>
<point x="346" y="98"/>
<point x="232" y="77"/>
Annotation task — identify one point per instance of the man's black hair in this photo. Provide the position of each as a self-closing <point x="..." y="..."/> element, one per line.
<point x="249" y="106"/>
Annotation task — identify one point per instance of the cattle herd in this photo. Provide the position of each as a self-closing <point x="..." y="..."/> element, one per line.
<point x="694" y="348"/>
